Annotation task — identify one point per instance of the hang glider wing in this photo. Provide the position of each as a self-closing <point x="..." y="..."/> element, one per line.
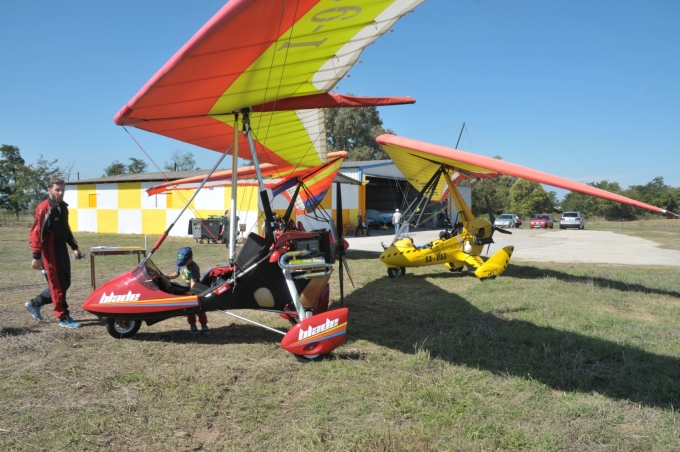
<point x="279" y="58"/>
<point x="316" y="181"/>
<point x="418" y="161"/>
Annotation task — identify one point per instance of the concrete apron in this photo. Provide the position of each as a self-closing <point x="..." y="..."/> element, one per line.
<point x="552" y="245"/>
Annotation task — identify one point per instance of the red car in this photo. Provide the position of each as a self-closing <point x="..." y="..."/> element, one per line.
<point x="542" y="220"/>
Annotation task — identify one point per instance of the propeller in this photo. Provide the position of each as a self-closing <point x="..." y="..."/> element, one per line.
<point x="492" y="219"/>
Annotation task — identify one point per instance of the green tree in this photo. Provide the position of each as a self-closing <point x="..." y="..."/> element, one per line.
<point x="590" y="206"/>
<point x="34" y="180"/>
<point x="114" y="169"/>
<point x="354" y="130"/>
<point x="528" y="198"/>
<point x="137" y="166"/>
<point x="656" y="193"/>
<point x="12" y="165"/>
<point x="495" y="189"/>
<point x="180" y="161"/>
<point x="23" y="186"/>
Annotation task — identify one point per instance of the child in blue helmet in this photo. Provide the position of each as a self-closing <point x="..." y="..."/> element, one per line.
<point x="188" y="270"/>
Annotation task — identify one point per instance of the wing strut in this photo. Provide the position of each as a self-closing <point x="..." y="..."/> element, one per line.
<point x="234" y="187"/>
<point x="264" y="197"/>
<point x="289" y="210"/>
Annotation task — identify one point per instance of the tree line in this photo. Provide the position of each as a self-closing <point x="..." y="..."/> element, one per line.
<point x="179" y="161"/>
<point x="24" y="186"/>
<point x="507" y="194"/>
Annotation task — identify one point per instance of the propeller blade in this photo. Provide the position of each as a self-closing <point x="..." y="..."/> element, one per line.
<point x="502" y="231"/>
<point x="335" y="233"/>
<point x="342" y="288"/>
<point x="344" y="262"/>
<point x="340" y="243"/>
<point x="492" y="219"/>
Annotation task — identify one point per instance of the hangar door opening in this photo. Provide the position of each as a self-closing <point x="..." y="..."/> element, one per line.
<point x="385" y="195"/>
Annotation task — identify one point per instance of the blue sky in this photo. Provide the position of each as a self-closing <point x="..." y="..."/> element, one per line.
<point x="584" y="90"/>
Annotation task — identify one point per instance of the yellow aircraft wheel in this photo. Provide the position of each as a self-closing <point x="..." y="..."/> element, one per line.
<point x="454" y="269"/>
<point x="396" y="271"/>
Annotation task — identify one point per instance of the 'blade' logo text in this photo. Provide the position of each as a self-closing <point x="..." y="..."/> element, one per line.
<point x="113" y="298"/>
<point x="318" y="329"/>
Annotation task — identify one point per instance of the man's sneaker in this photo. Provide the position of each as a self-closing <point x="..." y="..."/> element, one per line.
<point x="205" y="329"/>
<point x="35" y="311"/>
<point x="68" y="322"/>
<point x="194" y="330"/>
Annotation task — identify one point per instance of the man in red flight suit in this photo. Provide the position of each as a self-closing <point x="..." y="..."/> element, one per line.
<point x="48" y="238"/>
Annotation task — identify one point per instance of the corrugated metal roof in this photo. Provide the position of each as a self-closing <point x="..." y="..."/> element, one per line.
<point x="386" y="172"/>
<point x="345" y="179"/>
<point x="385" y="169"/>
<point x="364" y="163"/>
<point x="141" y="177"/>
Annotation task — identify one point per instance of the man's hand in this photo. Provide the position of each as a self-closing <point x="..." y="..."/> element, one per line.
<point x="77" y="254"/>
<point x="36" y="264"/>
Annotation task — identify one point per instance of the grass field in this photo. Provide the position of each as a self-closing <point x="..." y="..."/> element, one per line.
<point x="546" y="357"/>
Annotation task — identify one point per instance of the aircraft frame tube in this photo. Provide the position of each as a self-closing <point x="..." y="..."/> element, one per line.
<point x="253" y="322"/>
<point x="234" y="186"/>
<point x="256" y="162"/>
<point x="285" y="267"/>
<point x="264" y="197"/>
<point x="323" y="274"/>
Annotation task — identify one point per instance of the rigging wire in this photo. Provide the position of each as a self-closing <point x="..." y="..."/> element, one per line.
<point x="280" y="81"/>
<point x="179" y="192"/>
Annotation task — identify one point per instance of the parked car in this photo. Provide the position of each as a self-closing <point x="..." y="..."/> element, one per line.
<point x="572" y="220"/>
<point x="375" y="219"/>
<point x="508" y="220"/>
<point x="542" y="220"/>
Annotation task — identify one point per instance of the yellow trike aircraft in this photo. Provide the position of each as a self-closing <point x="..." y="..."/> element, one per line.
<point x="435" y="170"/>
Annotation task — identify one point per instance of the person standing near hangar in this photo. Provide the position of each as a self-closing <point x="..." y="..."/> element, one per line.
<point x="396" y="220"/>
<point x="49" y="236"/>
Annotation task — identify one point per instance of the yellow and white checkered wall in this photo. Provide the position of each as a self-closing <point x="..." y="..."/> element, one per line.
<point x="125" y="208"/>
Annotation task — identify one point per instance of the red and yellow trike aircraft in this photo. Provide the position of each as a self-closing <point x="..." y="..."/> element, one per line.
<point x="434" y="171"/>
<point x="253" y="82"/>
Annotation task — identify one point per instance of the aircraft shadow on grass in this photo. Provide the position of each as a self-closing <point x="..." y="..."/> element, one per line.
<point x="454" y="330"/>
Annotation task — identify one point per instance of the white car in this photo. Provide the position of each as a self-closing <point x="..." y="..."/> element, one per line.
<point x="572" y="220"/>
<point x="508" y="220"/>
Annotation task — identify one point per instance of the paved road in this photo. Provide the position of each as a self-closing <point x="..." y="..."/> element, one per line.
<point x="553" y="245"/>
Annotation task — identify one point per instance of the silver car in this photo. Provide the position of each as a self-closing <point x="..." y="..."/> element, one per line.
<point x="507" y="220"/>
<point x="571" y="220"/>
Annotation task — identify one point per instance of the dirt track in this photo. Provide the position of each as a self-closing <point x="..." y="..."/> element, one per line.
<point x="554" y="245"/>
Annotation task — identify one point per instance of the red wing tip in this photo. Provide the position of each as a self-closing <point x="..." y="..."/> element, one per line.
<point x="122" y="118"/>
